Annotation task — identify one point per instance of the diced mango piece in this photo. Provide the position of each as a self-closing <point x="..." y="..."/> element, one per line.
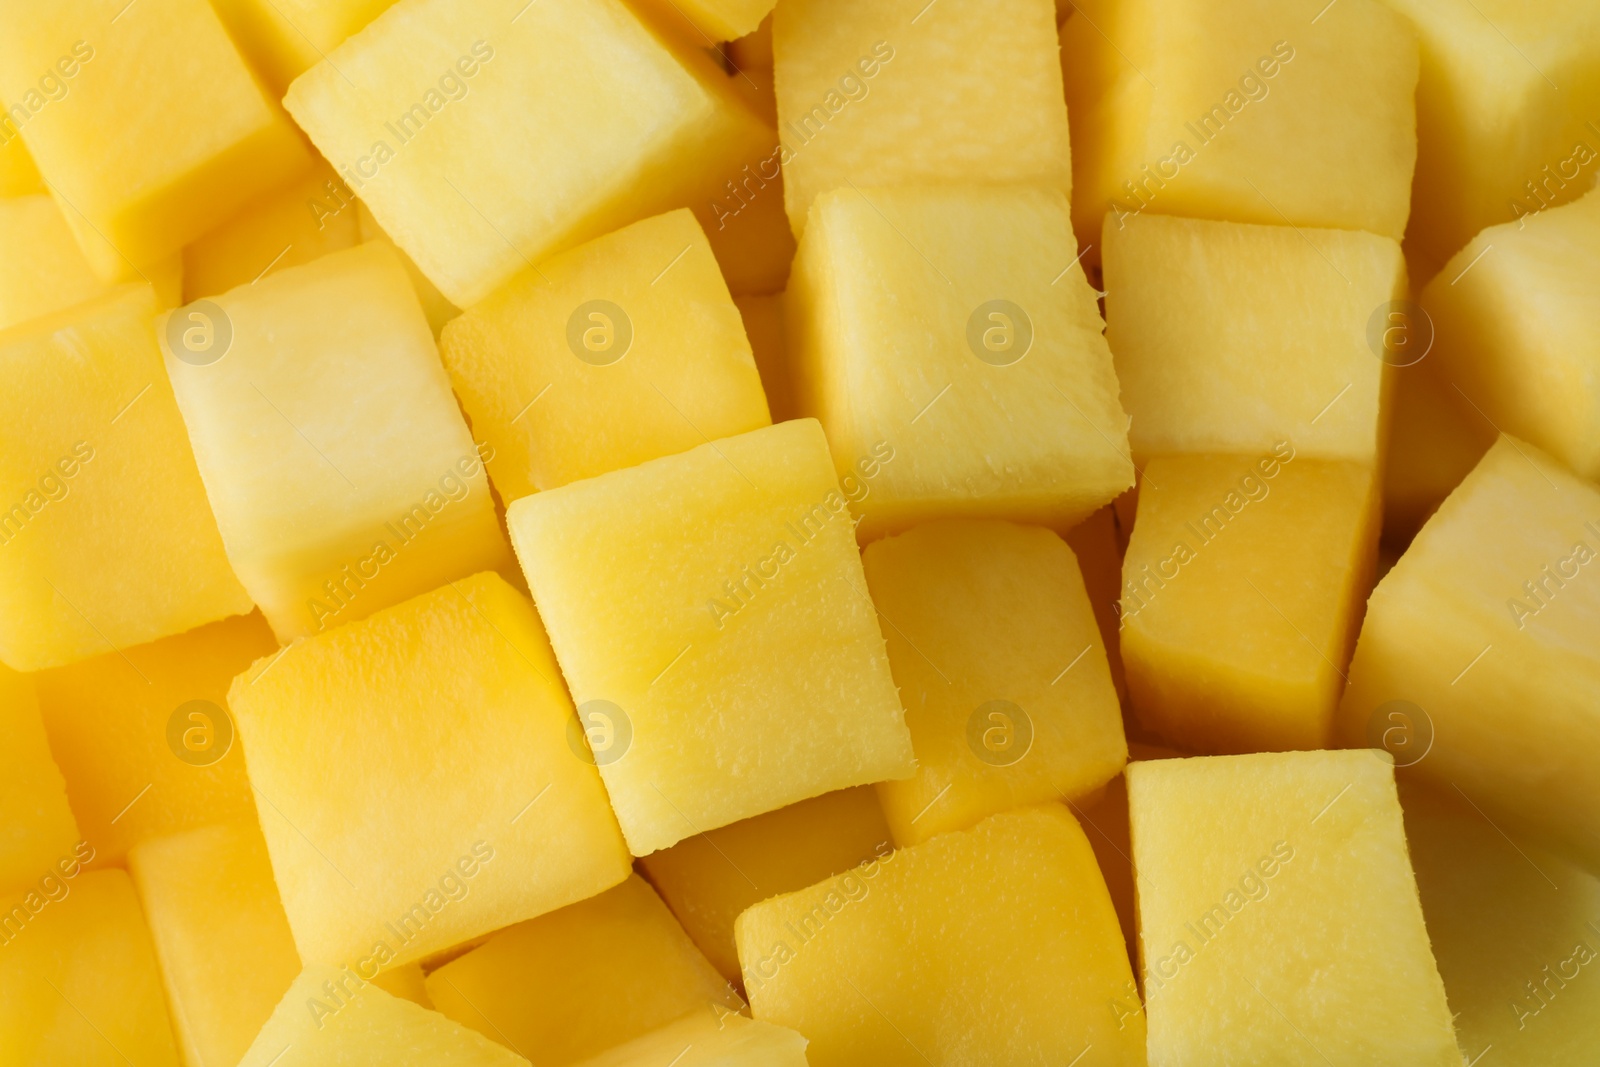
<point x="729" y="574"/>
<point x="763" y="325"/>
<point x="708" y="879"/>
<point x="915" y="959"/>
<point x="901" y="93"/>
<point x="222" y="942"/>
<point x="1435" y="438"/>
<point x="1516" y="312"/>
<point x="709" y="1038"/>
<point x="577" y="119"/>
<point x="575" y="982"/>
<point x="285" y="38"/>
<point x="745" y="219"/>
<point x="1001" y="668"/>
<point x="434" y="303"/>
<point x="951" y="329"/>
<point x="754" y="49"/>
<point x="78" y="978"/>
<point x="1242" y="594"/>
<point x="1276" y="905"/>
<point x="1264" y="111"/>
<point x="1485" y="632"/>
<point x="342" y="474"/>
<point x="415" y="780"/>
<point x="41" y="269"/>
<point x="1097" y="542"/>
<point x="408" y="982"/>
<point x="636" y="342"/>
<point x="710" y="20"/>
<point x="144" y="121"/>
<point x="107" y="538"/>
<point x="1230" y="338"/>
<point x="36" y="826"/>
<point x="333" y="1018"/>
<point x="18" y="175"/>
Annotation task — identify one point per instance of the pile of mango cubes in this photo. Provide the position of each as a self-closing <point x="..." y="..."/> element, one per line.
<point x="861" y="533"/>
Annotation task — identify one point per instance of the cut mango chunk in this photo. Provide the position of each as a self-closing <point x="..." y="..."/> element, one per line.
<point x="37" y="829"/>
<point x="763" y="325"/>
<point x="285" y="38"/>
<point x="709" y="1038"/>
<point x="1435" y="439"/>
<point x="434" y="303"/>
<point x="18" y="175"/>
<point x="710" y="21"/>
<point x="41" y="268"/>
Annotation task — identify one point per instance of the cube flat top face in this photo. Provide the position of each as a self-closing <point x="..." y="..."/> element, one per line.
<point x="423" y="732"/>
<point x="1276" y="903"/>
<point x="39" y="827"/>
<point x="1229" y="338"/>
<point x="1002" y="671"/>
<point x="953" y="329"/>
<point x="41" y="269"/>
<point x="619" y="351"/>
<point x="108" y="538"/>
<point x="895" y="94"/>
<point x="712" y="606"/>
<point x="709" y="1038"/>
<point x="1023" y="978"/>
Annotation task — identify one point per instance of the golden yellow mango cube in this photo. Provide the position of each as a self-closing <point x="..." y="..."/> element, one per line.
<point x="1276" y="905"/>
<point x="418" y="779"/>
<point x="144" y="121"/>
<point x="18" y="175"/>
<point x="41" y="269"/>
<point x="709" y="21"/>
<point x="1482" y="639"/>
<point x="763" y="325"/>
<point x="621" y="350"/>
<point x="220" y="936"/>
<point x="1002" y="671"/>
<point x="78" y="977"/>
<point x="575" y="982"/>
<point x="729" y="575"/>
<point x="108" y="540"/>
<point x="712" y="1037"/>
<point x="1435" y="438"/>
<point x="898" y="93"/>
<point x="283" y="39"/>
<point x="915" y="959"/>
<point x="578" y="120"/>
<point x="343" y="476"/>
<point x="36" y="826"/>
<point x="434" y="303"/>
<point x="708" y="879"/>
<point x="951" y="331"/>
<point x="1098" y="543"/>
<point x="1234" y="641"/>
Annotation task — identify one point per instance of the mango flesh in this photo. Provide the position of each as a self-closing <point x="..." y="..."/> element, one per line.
<point x="713" y="20"/>
<point x="434" y="303"/>
<point x="575" y="982"/>
<point x="41" y="269"/>
<point x="283" y="39"/>
<point x="714" y="1038"/>
<point x="706" y="598"/>
<point x="1024" y="977"/>
<point x="108" y="538"/>
<point x="221" y="939"/>
<point x="1276" y="904"/>
<point x="1435" y="439"/>
<point x="994" y="646"/>
<point x="18" y="175"/>
<point x="415" y="780"/>
<point x="708" y="879"/>
<point x="763" y="325"/>
<point x="618" y="351"/>
<point x="1484" y="631"/>
<point x="36" y="826"/>
<point x="1097" y="542"/>
<point x="952" y="328"/>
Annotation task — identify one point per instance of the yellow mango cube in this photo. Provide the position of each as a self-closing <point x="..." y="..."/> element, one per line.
<point x="900" y="93"/>
<point x="78" y="978"/>
<point x="1483" y="637"/>
<point x="221" y="939"/>
<point x="709" y="1038"/>
<point x="1097" y="542"/>
<point x="36" y="825"/>
<point x="415" y="780"/>
<point x="575" y="982"/>
<point x="709" y="21"/>
<point x="915" y="959"/>
<point x="108" y="540"/>
<point x="1000" y="665"/>
<point x="283" y="39"/>
<point x="708" y="879"/>
<point x="343" y="477"/>
<point x="730" y="576"/>
<point x="1242" y="592"/>
<point x="577" y="119"/>
<point x="41" y="269"/>
<point x="1276" y="905"/>
<point x="1435" y="438"/>
<point x="952" y="330"/>
<point x="763" y="325"/>
<point x="434" y="303"/>
<point x="18" y="175"/>
<point x="144" y="121"/>
<point x="407" y="982"/>
<point x="1229" y="338"/>
<point x="624" y="349"/>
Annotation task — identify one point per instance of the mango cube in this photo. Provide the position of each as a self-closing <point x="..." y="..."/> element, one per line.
<point x="415" y="780"/>
<point x="710" y="20"/>
<point x="951" y="329"/>
<point x="18" y="175"/>
<point x="763" y="325"/>
<point x="1484" y="634"/>
<point x="714" y="1038"/>
<point x="1024" y="978"/>
<point x="575" y="982"/>
<point x="285" y="38"/>
<point x="621" y="350"/>
<point x="994" y="646"/>
<point x="1242" y="594"/>
<point x="577" y="119"/>
<point x="41" y="269"/>
<point x="1435" y="439"/>
<point x="36" y="826"/>
<point x="221" y="939"/>
<point x="342" y="474"/>
<point x="1230" y="338"/>
<point x="755" y="673"/>
<point x="108" y="539"/>
<point x="1276" y="904"/>
<point x="434" y="304"/>
<point x="144" y="121"/>
<point x="1097" y="542"/>
<point x="78" y="977"/>
<point x="897" y="93"/>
